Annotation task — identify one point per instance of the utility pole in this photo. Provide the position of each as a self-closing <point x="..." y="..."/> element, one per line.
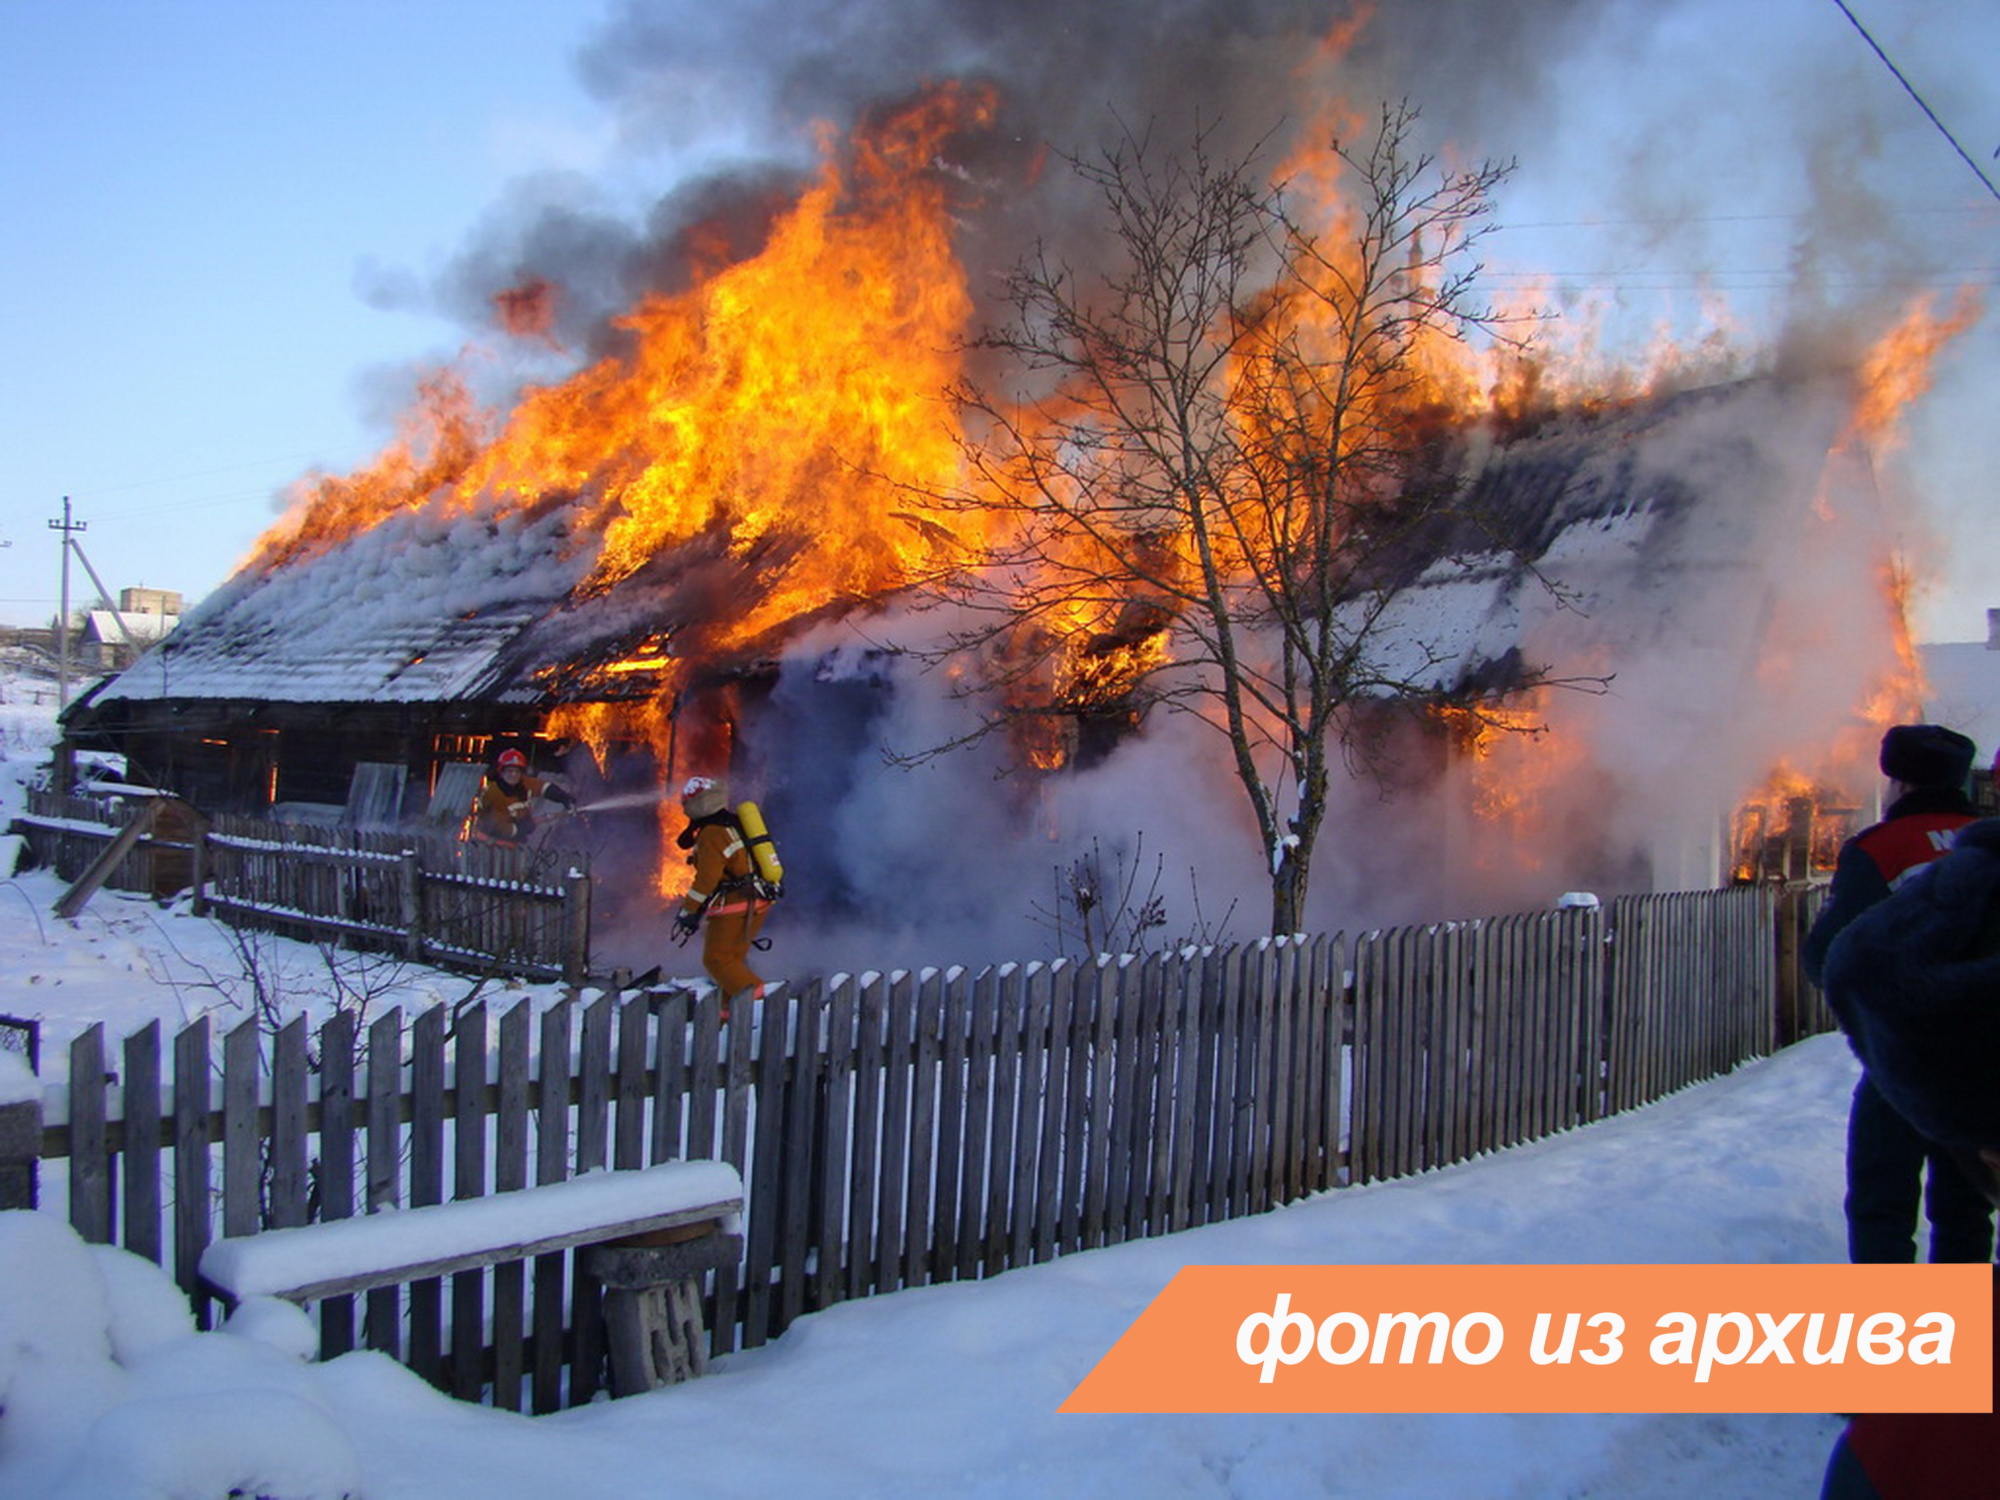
<point x="67" y="527"/>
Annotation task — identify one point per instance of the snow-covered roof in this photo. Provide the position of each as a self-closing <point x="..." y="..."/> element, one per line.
<point x="1635" y="527"/>
<point x="1620" y="510"/>
<point x="120" y="625"/>
<point x="421" y="608"/>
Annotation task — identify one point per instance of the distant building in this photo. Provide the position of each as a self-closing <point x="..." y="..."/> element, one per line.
<point x="1964" y="682"/>
<point x="109" y="640"/>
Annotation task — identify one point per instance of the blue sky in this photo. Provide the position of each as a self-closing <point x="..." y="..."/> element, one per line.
<point x="229" y="225"/>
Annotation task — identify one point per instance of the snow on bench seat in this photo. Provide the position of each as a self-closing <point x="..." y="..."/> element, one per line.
<point x="340" y="1256"/>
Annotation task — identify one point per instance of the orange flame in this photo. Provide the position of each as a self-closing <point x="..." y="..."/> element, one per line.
<point x="1899" y="368"/>
<point x="796" y="395"/>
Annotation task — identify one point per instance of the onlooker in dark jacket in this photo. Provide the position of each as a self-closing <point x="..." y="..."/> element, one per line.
<point x="1887" y="1159"/>
<point x="1915" y="981"/>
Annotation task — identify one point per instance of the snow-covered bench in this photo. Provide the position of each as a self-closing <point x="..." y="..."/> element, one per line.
<point x="647" y="1235"/>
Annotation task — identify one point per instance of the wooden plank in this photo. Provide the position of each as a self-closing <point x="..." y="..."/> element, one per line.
<point x="551" y="1165"/>
<point x="510" y="1174"/>
<point x="670" y="1064"/>
<point x="192" y="1165"/>
<point x="872" y="1013"/>
<point x="1436" y="994"/>
<point x="1045" y="1089"/>
<point x="1364" y="1149"/>
<point x="1308" y="1076"/>
<point x="1153" y="1102"/>
<point x="927" y="1038"/>
<point x="426" y="1139"/>
<point x="982" y="1199"/>
<point x="1253" y="1190"/>
<point x="957" y="1167"/>
<point x="1103" y="981"/>
<point x="1484" y="1048"/>
<point x="1277" y="1107"/>
<point x="763" y="1183"/>
<point x="141" y="1157"/>
<point x="101" y="868"/>
<point x="1226" y="964"/>
<point x="801" y="1157"/>
<point x="337" y="1160"/>
<point x="1056" y="1003"/>
<point x="1082" y="983"/>
<point x="1590" y="1040"/>
<point x="628" y="1144"/>
<point x="1339" y="1078"/>
<point x="420" y="1258"/>
<point x="1498" y="994"/>
<point x="89" y="1152"/>
<point x="1287" y="1108"/>
<point x="593" y="1126"/>
<point x="890" y="1203"/>
<point x="836" y="1250"/>
<point x="291" y="1185"/>
<point x="705" y="1085"/>
<point x="242" y="1153"/>
<point x="593" y="1110"/>
<point x="1187" y="1021"/>
<point x="737" y="1087"/>
<point x="1399" y="1041"/>
<point x="1136" y="1044"/>
<point x="469" y="1149"/>
<point x="1021" y="1044"/>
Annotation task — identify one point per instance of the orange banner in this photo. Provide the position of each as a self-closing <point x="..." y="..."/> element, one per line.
<point x="1759" y="1338"/>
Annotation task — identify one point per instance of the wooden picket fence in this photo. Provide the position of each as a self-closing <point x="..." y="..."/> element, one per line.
<point x="904" y="1128"/>
<point x="427" y="895"/>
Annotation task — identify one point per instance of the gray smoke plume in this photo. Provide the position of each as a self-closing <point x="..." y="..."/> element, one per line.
<point x="737" y="90"/>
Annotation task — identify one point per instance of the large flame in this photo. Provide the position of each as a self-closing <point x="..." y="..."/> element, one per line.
<point x="797" y="395"/>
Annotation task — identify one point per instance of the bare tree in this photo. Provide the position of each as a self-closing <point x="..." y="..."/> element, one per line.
<point x="1218" y="487"/>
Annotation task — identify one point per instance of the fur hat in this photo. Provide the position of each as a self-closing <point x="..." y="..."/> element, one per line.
<point x="703" y="797"/>
<point x="1915" y="981"/>
<point x="1926" y="755"/>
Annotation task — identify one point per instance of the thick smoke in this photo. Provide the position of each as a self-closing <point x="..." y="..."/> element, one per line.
<point x="724" y="100"/>
<point x="1633" y="110"/>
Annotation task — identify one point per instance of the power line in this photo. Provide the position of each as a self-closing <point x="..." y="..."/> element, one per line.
<point x="1910" y="89"/>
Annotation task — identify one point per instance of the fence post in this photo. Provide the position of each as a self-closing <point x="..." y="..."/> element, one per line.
<point x="198" y="874"/>
<point x="576" y="927"/>
<point x="20" y="1131"/>
<point x="21" y="1113"/>
<point x="412" y="894"/>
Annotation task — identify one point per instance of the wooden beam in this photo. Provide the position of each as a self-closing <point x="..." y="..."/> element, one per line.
<point x="78" y="895"/>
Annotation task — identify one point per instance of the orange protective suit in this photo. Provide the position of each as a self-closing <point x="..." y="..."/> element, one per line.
<point x="731" y="921"/>
<point x="502" y="815"/>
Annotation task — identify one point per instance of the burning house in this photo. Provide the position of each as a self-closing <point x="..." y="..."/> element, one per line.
<point x="701" y="550"/>
<point x="428" y="640"/>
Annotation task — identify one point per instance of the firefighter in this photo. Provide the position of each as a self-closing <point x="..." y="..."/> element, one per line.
<point x="504" y="813"/>
<point x="725" y="895"/>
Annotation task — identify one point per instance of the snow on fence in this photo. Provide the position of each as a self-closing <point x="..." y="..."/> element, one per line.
<point x="431" y="897"/>
<point x="899" y="1129"/>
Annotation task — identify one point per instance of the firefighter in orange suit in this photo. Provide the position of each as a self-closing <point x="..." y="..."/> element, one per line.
<point x="503" y="815"/>
<point x="724" y="897"/>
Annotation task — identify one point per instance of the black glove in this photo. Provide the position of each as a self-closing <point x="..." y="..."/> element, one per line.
<point x="685" y="922"/>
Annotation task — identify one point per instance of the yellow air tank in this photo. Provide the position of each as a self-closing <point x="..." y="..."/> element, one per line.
<point x="763" y="853"/>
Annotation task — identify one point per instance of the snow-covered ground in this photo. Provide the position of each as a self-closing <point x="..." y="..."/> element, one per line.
<point x="106" y="1390"/>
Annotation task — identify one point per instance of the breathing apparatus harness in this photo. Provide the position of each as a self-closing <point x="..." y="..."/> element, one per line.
<point x="755" y="884"/>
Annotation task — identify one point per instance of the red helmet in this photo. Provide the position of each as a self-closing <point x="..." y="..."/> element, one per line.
<point x="512" y="758"/>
